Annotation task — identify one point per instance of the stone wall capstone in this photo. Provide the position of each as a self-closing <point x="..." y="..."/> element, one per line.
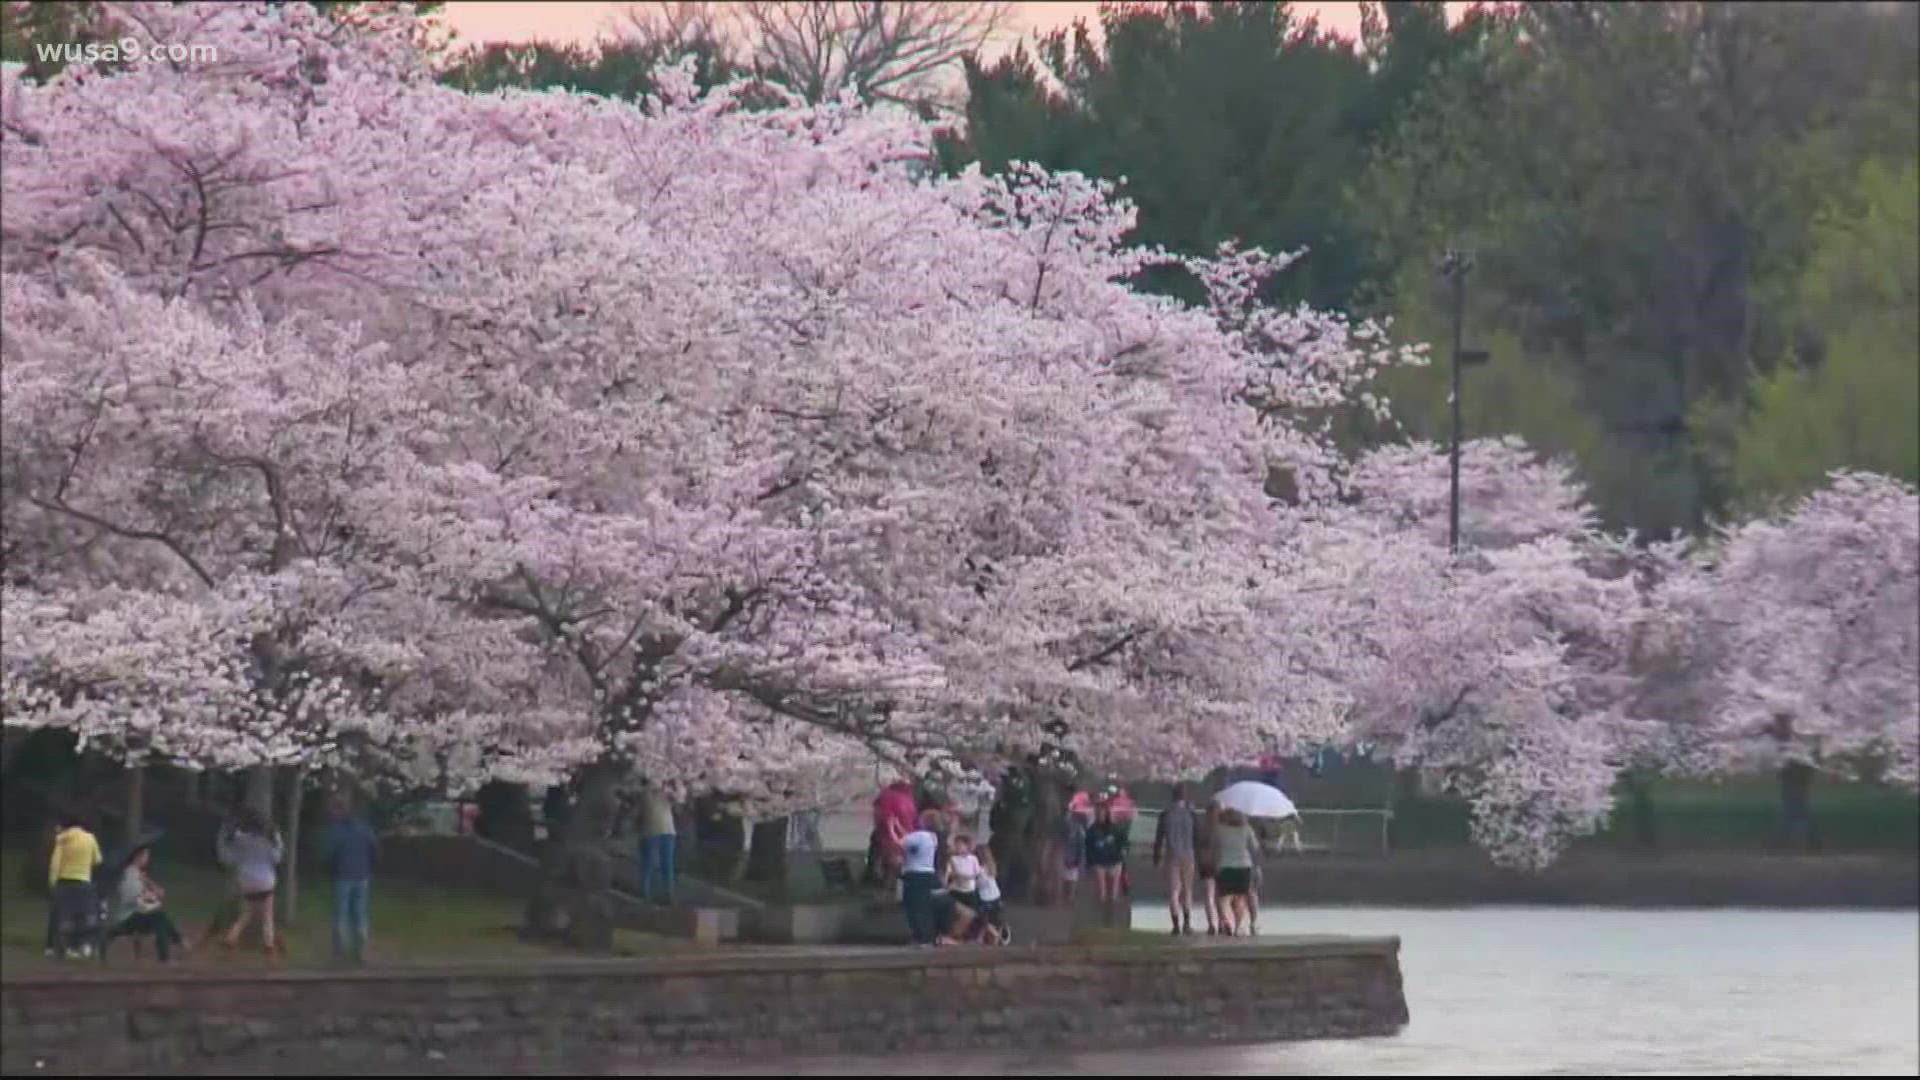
<point x="771" y="1004"/>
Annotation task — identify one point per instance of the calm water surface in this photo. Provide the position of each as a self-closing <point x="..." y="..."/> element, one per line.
<point x="1569" y="991"/>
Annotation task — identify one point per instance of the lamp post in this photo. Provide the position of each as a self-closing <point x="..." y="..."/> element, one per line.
<point x="1455" y="265"/>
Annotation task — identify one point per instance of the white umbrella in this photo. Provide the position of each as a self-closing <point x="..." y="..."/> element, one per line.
<point x="1256" y="800"/>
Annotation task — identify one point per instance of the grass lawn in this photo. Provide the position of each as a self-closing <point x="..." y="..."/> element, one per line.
<point x="412" y="924"/>
<point x="1740" y="814"/>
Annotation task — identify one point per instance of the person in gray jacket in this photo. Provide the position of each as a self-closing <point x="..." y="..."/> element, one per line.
<point x="253" y="852"/>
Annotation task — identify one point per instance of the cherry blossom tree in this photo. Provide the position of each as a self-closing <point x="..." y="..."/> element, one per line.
<point x="1507" y="671"/>
<point x="1504" y="671"/>
<point x="350" y="418"/>
<point x="779" y="452"/>
<point x="180" y="449"/>
<point x="1800" y="636"/>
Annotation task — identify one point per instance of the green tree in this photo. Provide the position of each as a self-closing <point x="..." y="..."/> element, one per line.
<point x="57" y="22"/>
<point x="1636" y="180"/>
<point x="1220" y="120"/>
<point x="1851" y="395"/>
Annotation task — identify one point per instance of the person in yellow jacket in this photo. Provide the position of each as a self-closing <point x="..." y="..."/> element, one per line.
<point x="76" y="905"/>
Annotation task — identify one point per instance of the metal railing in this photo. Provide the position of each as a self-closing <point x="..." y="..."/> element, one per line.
<point x="1355" y="830"/>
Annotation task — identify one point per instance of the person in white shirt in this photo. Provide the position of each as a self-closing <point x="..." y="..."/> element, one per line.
<point x="926" y="913"/>
<point x="963" y="884"/>
<point x="992" y="914"/>
<point x="963" y="871"/>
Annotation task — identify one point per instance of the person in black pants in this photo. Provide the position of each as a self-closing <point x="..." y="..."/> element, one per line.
<point x="136" y="907"/>
<point x="927" y="910"/>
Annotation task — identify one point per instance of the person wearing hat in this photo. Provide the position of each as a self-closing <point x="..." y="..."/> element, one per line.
<point x="136" y="905"/>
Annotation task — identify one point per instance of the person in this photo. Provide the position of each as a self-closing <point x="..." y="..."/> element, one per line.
<point x="1253" y="891"/>
<point x="992" y="913"/>
<point x="1237" y="849"/>
<point x="349" y="848"/>
<point x="1206" y="866"/>
<point x="963" y="873"/>
<point x="657" y="842"/>
<point x="55" y="934"/>
<point x="253" y="852"/>
<point x="137" y="906"/>
<point x="1123" y="815"/>
<point x="1106" y="853"/>
<point x="893" y="818"/>
<point x="75" y="903"/>
<point x="1173" y="842"/>
<point x="918" y="881"/>
<point x="803" y="832"/>
<point x="1073" y="845"/>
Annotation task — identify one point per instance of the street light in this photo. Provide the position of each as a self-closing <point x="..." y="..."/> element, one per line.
<point x="1455" y="265"/>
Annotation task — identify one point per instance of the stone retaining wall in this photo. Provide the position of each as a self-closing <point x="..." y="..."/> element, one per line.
<point x="596" y="1017"/>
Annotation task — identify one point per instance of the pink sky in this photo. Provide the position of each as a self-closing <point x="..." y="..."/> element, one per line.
<point x="479" y="22"/>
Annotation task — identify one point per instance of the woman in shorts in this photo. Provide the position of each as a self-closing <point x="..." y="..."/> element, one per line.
<point x="1106" y="854"/>
<point x="254" y="852"/>
<point x="1235" y="848"/>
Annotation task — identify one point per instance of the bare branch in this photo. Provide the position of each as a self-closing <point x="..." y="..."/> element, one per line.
<point x="886" y="50"/>
<point x="1106" y="653"/>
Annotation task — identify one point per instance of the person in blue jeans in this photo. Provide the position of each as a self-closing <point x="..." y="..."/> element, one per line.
<point x="348" y="847"/>
<point x="656" y="846"/>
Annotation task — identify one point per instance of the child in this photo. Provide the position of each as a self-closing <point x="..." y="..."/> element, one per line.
<point x="76" y="906"/>
<point x="963" y="873"/>
<point x="993" y="914"/>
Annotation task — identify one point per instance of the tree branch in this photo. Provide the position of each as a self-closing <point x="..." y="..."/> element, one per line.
<point x="98" y="522"/>
<point x="1105" y="653"/>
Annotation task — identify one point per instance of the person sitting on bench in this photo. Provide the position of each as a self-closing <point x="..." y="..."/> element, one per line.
<point x="136" y="908"/>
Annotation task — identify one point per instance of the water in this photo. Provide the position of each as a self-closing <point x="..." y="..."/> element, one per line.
<point x="1573" y="992"/>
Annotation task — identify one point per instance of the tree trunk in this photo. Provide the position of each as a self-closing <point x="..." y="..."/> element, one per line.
<point x="721" y="837"/>
<point x="767" y="854"/>
<point x="1796" y="807"/>
<point x="136" y="800"/>
<point x="33" y="870"/>
<point x="259" y="791"/>
<point x="506" y="815"/>
<point x="296" y="790"/>
<point x="1025" y="820"/>
<point x="11" y="740"/>
<point x="573" y="901"/>
<point x="1640" y="799"/>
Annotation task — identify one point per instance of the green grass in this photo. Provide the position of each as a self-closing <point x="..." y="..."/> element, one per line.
<point x="412" y="924"/>
<point x="1733" y="815"/>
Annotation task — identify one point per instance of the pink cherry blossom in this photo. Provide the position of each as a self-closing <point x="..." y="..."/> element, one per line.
<point x="349" y="419"/>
